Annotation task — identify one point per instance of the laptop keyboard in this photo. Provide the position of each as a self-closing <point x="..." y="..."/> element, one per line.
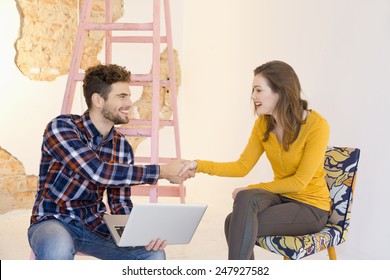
<point x="120" y="229"/>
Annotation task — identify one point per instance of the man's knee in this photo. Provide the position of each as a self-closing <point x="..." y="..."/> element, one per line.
<point x="157" y="255"/>
<point x="51" y="240"/>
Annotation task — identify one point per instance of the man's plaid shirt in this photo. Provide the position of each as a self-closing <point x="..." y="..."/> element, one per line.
<point x="78" y="166"/>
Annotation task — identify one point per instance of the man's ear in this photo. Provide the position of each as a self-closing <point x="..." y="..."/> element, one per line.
<point x="97" y="100"/>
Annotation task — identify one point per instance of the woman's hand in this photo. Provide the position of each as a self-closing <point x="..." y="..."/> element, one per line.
<point x="189" y="165"/>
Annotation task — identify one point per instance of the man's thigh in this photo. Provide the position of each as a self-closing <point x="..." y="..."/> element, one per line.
<point x="94" y="245"/>
<point x="51" y="239"/>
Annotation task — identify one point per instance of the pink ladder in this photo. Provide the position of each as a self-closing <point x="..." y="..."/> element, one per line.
<point x="153" y="125"/>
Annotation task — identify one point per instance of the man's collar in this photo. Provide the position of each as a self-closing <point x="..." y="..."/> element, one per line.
<point x="88" y="124"/>
<point x="92" y="130"/>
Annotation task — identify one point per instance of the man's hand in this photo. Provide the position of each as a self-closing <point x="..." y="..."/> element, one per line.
<point x="156" y="245"/>
<point x="171" y="170"/>
<point x="189" y="166"/>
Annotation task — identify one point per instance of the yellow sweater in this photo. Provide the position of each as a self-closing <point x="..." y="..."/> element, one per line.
<point x="298" y="174"/>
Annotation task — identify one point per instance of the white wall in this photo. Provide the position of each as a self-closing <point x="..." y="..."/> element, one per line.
<point x="339" y="48"/>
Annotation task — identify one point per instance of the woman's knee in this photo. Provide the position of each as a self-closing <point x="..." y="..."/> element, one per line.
<point x="244" y="196"/>
<point x="256" y="198"/>
<point x="253" y="202"/>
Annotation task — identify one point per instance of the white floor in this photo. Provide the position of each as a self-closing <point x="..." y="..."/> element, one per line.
<point x="208" y="242"/>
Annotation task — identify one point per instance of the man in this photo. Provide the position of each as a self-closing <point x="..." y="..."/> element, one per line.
<point x="84" y="158"/>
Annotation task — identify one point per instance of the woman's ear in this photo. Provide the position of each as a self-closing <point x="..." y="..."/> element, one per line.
<point x="97" y="100"/>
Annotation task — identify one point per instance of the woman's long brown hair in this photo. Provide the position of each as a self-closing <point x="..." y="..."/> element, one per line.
<point x="282" y="79"/>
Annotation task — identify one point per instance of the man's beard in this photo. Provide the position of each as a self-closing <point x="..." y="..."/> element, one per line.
<point x="116" y="119"/>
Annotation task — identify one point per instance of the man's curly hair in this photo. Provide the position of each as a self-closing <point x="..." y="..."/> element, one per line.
<point x="99" y="78"/>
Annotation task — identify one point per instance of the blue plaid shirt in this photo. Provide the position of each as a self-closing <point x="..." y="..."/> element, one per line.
<point x="78" y="166"/>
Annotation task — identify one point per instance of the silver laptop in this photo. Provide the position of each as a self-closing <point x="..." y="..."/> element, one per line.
<point x="175" y="223"/>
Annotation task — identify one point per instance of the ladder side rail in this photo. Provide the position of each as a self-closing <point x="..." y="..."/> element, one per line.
<point x="108" y="33"/>
<point x="173" y="88"/>
<point x="75" y="64"/>
<point x="172" y="76"/>
<point x="155" y="93"/>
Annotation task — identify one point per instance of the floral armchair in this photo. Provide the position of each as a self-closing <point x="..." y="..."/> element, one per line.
<point x="341" y="167"/>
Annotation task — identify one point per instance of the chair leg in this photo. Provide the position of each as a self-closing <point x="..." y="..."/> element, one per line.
<point x="332" y="253"/>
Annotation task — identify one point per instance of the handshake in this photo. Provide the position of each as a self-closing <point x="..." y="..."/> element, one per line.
<point x="178" y="171"/>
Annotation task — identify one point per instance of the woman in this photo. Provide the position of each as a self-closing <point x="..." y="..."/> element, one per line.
<point x="294" y="140"/>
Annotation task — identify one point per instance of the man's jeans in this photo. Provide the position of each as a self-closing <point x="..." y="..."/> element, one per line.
<point x="53" y="240"/>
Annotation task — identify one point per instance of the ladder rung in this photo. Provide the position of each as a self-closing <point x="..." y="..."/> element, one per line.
<point x="144" y="79"/>
<point x="149" y="122"/>
<point x="136" y="39"/>
<point x="163" y="191"/>
<point x="119" y="26"/>
<point x="130" y="130"/>
<point x="163" y="83"/>
<point x="135" y="131"/>
<point x="148" y="159"/>
<point x="136" y="79"/>
<point x="141" y="78"/>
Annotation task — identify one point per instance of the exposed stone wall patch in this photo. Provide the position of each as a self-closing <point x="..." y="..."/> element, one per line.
<point x="47" y="34"/>
<point x="17" y="190"/>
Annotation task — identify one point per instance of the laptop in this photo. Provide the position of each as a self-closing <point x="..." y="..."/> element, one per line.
<point x="175" y="223"/>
